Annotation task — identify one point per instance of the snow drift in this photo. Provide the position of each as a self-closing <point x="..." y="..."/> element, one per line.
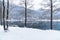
<point x="16" y="33"/>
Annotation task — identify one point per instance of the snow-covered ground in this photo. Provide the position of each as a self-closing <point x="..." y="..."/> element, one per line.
<point x="16" y="33"/>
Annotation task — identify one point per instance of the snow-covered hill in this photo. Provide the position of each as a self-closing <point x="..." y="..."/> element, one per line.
<point x="16" y="33"/>
<point x="37" y="9"/>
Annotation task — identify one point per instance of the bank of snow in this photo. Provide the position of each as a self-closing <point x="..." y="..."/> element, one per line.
<point x="16" y="33"/>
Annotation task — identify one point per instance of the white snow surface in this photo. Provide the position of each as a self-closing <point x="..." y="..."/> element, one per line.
<point x="16" y="33"/>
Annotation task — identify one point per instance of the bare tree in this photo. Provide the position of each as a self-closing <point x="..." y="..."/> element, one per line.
<point x="51" y="12"/>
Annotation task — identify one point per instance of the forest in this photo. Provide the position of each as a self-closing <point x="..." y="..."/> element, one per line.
<point x="42" y="14"/>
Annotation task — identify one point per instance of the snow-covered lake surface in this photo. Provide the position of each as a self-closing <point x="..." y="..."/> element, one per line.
<point x="16" y="33"/>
